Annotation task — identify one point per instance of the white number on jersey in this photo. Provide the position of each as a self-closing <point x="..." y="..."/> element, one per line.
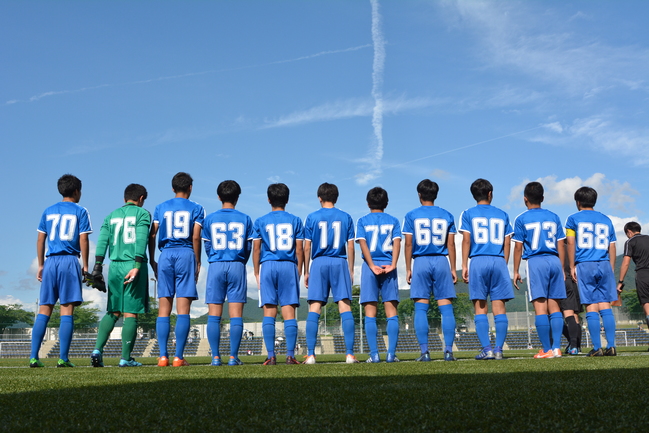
<point x="280" y="237"/>
<point x="128" y="234"/>
<point x="589" y="235"/>
<point x="324" y="238"/>
<point x="490" y="230"/>
<point x="384" y="229"/>
<point x="67" y="225"/>
<point x="431" y="231"/>
<point x="177" y="224"/>
<point x="549" y="228"/>
<point x="220" y="236"/>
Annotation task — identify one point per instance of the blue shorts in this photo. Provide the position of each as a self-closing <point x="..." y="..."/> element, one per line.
<point x="279" y="283"/>
<point x="545" y="278"/>
<point x="177" y="273"/>
<point x="489" y="276"/>
<point x="226" y="279"/>
<point x="596" y="282"/>
<point x="372" y="284"/>
<point x="432" y="275"/>
<point x="61" y="280"/>
<point x="329" y="273"/>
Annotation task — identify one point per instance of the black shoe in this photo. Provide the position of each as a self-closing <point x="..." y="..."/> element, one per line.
<point x="610" y="352"/>
<point x="597" y="352"/>
<point x="270" y="361"/>
<point x="290" y="360"/>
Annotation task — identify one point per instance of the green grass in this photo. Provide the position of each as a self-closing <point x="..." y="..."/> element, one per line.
<point x="521" y="394"/>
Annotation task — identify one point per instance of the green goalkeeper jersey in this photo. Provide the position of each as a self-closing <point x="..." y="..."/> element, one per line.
<point x="126" y="232"/>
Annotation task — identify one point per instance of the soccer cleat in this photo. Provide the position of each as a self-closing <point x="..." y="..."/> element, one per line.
<point x="485" y="354"/>
<point x="64" y="364"/>
<point x="35" y="363"/>
<point x="597" y="352"/>
<point x="573" y="351"/>
<point x="309" y="359"/>
<point x="610" y="352"/>
<point x="163" y="361"/>
<point x="130" y="363"/>
<point x="216" y="361"/>
<point x="270" y="361"/>
<point x="234" y="361"/>
<point x="544" y="355"/>
<point x="292" y="361"/>
<point x="498" y="354"/>
<point x="391" y="357"/>
<point x="180" y="362"/>
<point x="373" y="359"/>
<point x="96" y="358"/>
<point x="448" y="356"/>
<point x="557" y="353"/>
<point x="425" y="357"/>
<point x="351" y="359"/>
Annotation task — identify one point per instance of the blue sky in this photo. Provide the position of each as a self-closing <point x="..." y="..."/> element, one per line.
<point x="355" y="93"/>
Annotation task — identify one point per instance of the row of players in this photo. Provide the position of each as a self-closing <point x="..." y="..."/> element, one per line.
<point x="322" y="252"/>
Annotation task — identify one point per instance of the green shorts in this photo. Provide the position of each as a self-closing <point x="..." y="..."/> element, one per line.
<point x="127" y="298"/>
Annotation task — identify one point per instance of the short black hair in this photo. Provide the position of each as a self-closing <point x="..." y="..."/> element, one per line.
<point x="633" y="227"/>
<point x="278" y="194"/>
<point x="377" y="198"/>
<point x="328" y="192"/>
<point x="134" y="191"/>
<point x="68" y="184"/>
<point x="480" y="189"/>
<point x="181" y="182"/>
<point x="229" y="191"/>
<point x="534" y="192"/>
<point x="428" y="190"/>
<point x="586" y="196"/>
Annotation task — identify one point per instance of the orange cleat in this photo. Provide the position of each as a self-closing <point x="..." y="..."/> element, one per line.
<point x="180" y="362"/>
<point x="163" y="361"/>
<point x="542" y="354"/>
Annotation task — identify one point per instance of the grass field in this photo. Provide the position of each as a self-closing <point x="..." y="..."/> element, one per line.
<point x="516" y="394"/>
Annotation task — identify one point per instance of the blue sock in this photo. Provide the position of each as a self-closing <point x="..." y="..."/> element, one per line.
<point x="502" y="324"/>
<point x="268" y="330"/>
<point x="592" y="319"/>
<point x="421" y="325"/>
<point x="370" y="334"/>
<point x="556" y="329"/>
<point x="290" y="332"/>
<point x="482" y="329"/>
<point x="66" y="329"/>
<point x="38" y="332"/>
<point x="393" y="334"/>
<point x="182" y="331"/>
<point x="608" y="319"/>
<point x="448" y="326"/>
<point x="349" y="331"/>
<point x="214" y="334"/>
<point x="236" y="332"/>
<point x="542" y="322"/>
<point x="311" y="332"/>
<point x="162" y="328"/>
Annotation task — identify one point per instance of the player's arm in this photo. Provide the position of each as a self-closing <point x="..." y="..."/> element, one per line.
<point x="518" y="254"/>
<point x="611" y="255"/>
<point x="450" y="245"/>
<point x="561" y="249"/>
<point x="466" y="248"/>
<point x="396" y="249"/>
<point x="507" y="247"/>
<point x="256" y="258"/>
<point x="299" y="255"/>
<point x="407" y="254"/>
<point x="152" y="235"/>
<point x="40" y="254"/>
<point x="196" y="245"/>
<point x="351" y="256"/>
<point x="624" y="268"/>
<point x="367" y="256"/>
<point x="570" y="237"/>
<point x="85" y="250"/>
<point x="307" y="261"/>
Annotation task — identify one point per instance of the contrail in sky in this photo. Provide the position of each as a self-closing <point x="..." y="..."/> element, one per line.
<point x="190" y="74"/>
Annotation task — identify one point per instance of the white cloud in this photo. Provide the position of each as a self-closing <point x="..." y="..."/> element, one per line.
<point x="9" y="299"/>
<point x="273" y="179"/>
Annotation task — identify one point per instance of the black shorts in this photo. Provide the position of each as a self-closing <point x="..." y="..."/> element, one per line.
<point x="642" y="286"/>
<point x="572" y="301"/>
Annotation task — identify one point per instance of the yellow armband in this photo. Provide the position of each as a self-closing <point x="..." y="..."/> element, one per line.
<point x="570" y="232"/>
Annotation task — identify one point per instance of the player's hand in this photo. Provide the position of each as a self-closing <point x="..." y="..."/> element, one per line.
<point x="257" y="279"/>
<point x="39" y="274"/>
<point x="131" y="276"/>
<point x="517" y="279"/>
<point x="388" y="268"/>
<point x="351" y="277"/>
<point x="377" y="270"/>
<point x="154" y="268"/>
<point x="620" y="287"/>
<point x="198" y="271"/>
<point x="465" y="274"/>
<point x="408" y="276"/>
<point x="306" y="280"/>
<point x="573" y="274"/>
<point x="454" y="275"/>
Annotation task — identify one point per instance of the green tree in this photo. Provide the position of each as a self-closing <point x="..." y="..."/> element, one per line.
<point x="12" y="314"/>
<point x="147" y="322"/>
<point x="462" y="307"/>
<point x="84" y="316"/>
<point x="630" y="301"/>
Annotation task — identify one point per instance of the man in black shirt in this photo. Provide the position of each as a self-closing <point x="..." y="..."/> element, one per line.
<point x="637" y="248"/>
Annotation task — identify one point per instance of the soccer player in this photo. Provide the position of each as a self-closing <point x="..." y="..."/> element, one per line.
<point x="637" y="248"/>
<point x="379" y="237"/>
<point x="591" y="251"/>
<point x="433" y="272"/>
<point x="539" y="240"/>
<point x="486" y="234"/>
<point x="65" y="227"/>
<point x="228" y="237"/>
<point x="278" y="257"/>
<point x="125" y="234"/>
<point x="329" y="242"/>
<point x="178" y="223"/>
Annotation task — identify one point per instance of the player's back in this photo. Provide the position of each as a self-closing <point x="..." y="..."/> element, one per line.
<point x="176" y="218"/>
<point x="63" y="223"/>
<point x="429" y="227"/>
<point x="379" y="230"/>
<point x="278" y="231"/>
<point x="329" y="229"/>
<point x="228" y="233"/>
<point x="593" y="233"/>
<point x="539" y="230"/>
<point x="128" y="231"/>
<point x="488" y="227"/>
<point x="638" y="248"/>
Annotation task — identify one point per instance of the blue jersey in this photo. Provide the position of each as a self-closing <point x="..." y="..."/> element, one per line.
<point x="488" y="227"/>
<point x="593" y="233"/>
<point x="538" y="230"/>
<point x="379" y="231"/>
<point x="176" y="219"/>
<point x="228" y="236"/>
<point x="429" y="227"/>
<point x="329" y="229"/>
<point x="278" y="231"/>
<point x="63" y="222"/>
